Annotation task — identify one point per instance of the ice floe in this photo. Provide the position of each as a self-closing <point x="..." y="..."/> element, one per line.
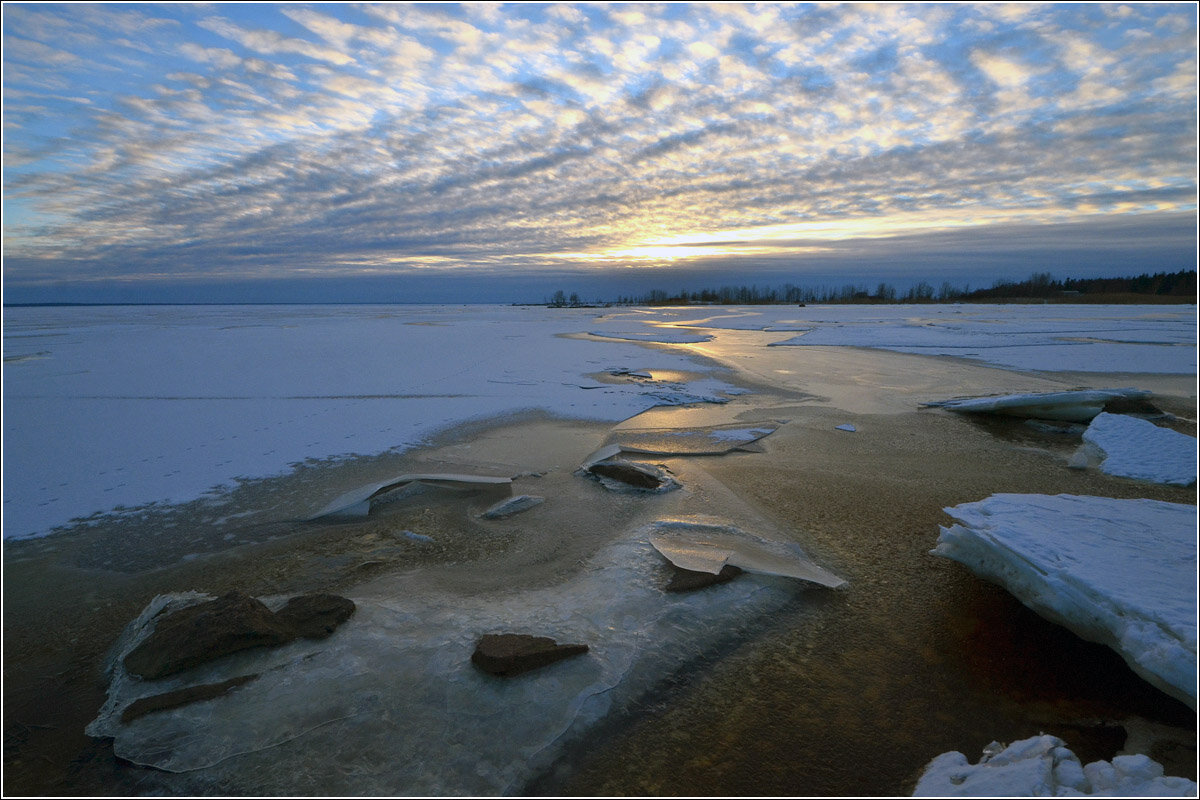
<point x="1042" y="766"/>
<point x="1115" y="571"/>
<point x="392" y="699"/>
<point x="707" y="546"/>
<point x="1078" y="405"/>
<point x="1135" y="448"/>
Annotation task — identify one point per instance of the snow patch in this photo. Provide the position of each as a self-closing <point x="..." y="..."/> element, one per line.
<point x="1042" y="766"/>
<point x="1135" y="448"/>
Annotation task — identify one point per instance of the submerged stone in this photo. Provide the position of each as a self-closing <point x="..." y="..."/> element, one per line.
<point x="508" y="654"/>
<point x="209" y="630"/>
<point x="315" y="616"/>
<point x="687" y="580"/>
<point x="181" y="697"/>
<point x="512" y="505"/>
<point x="200" y="633"/>
<point x="622" y="475"/>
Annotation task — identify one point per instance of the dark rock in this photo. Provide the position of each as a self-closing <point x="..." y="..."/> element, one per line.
<point x="686" y="580"/>
<point x="634" y="475"/>
<point x="315" y="616"/>
<point x="181" y="697"/>
<point x="229" y="624"/>
<point x="513" y="653"/>
<point x="200" y="633"/>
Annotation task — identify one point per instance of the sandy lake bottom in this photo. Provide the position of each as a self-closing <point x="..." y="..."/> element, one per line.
<point x="835" y="692"/>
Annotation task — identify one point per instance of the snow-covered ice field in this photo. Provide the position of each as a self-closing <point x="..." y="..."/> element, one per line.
<point x="111" y="408"/>
<point x="108" y="409"/>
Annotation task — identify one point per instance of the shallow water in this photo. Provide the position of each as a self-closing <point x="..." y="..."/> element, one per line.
<point x="833" y="694"/>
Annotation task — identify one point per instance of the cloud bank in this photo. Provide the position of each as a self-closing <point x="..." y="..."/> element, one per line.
<point x="274" y="144"/>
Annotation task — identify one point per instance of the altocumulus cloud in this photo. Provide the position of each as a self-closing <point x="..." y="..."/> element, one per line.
<point x="271" y="144"/>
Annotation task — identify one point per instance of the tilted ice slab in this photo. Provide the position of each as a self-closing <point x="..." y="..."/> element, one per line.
<point x="390" y="703"/>
<point x="1135" y="448"/>
<point x="1042" y="766"/>
<point x="703" y="545"/>
<point x="1118" y="572"/>
<point x="1072" y="406"/>
<point x="357" y="502"/>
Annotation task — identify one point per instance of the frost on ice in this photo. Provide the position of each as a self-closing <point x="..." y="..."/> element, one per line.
<point x="1134" y="448"/>
<point x="1118" y="572"/>
<point x="708" y="546"/>
<point x="1073" y="406"/>
<point x="392" y="699"/>
<point x="1042" y="766"/>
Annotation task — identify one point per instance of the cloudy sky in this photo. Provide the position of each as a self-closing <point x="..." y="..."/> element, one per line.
<point x="481" y="151"/>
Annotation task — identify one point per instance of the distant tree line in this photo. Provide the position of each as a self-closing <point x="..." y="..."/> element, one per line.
<point x="1039" y="285"/>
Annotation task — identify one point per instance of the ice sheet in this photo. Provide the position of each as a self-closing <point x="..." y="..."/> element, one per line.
<point x="1136" y="448"/>
<point x="111" y="408"/>
<point x="131" y="405"/>
<point x="1042" y="766"/>
<point x="1118" y="572"/>
<point x="393" y="702"/>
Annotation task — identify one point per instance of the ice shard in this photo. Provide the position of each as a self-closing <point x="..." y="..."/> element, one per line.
<point x="1072" y="406"/>
<point x="704" y="546"/>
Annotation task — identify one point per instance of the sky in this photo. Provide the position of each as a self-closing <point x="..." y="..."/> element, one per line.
<point x="499" y="152"/>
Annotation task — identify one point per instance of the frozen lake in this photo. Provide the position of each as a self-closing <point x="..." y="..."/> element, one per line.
<point x="112" y="408"/>
<point x="178" y="449"/>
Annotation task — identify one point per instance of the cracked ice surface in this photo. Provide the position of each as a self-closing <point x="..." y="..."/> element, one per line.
<point x="1042" y="766"/>
<point x="392" y="699"/>
<point x="1135" y="448"/>
<point x="1118" y="572"/>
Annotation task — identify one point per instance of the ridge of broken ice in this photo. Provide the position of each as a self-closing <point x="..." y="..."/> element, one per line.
<point x="1079" y="405"/>
<point x="1042" y="766"/>
<point x="1139" y="449"/>
<point x="1119" y="572"/>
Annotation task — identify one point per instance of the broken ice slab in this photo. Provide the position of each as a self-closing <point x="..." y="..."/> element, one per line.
<point x="709" y="546"/>
<point x="357" y="502"/>
<point x="1042" y="766"/>
<point x="1129" y="447"/>
<point x="512" y="505"/>
<point x="1118" y="572"/>
<point x="1072" y="406"/>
